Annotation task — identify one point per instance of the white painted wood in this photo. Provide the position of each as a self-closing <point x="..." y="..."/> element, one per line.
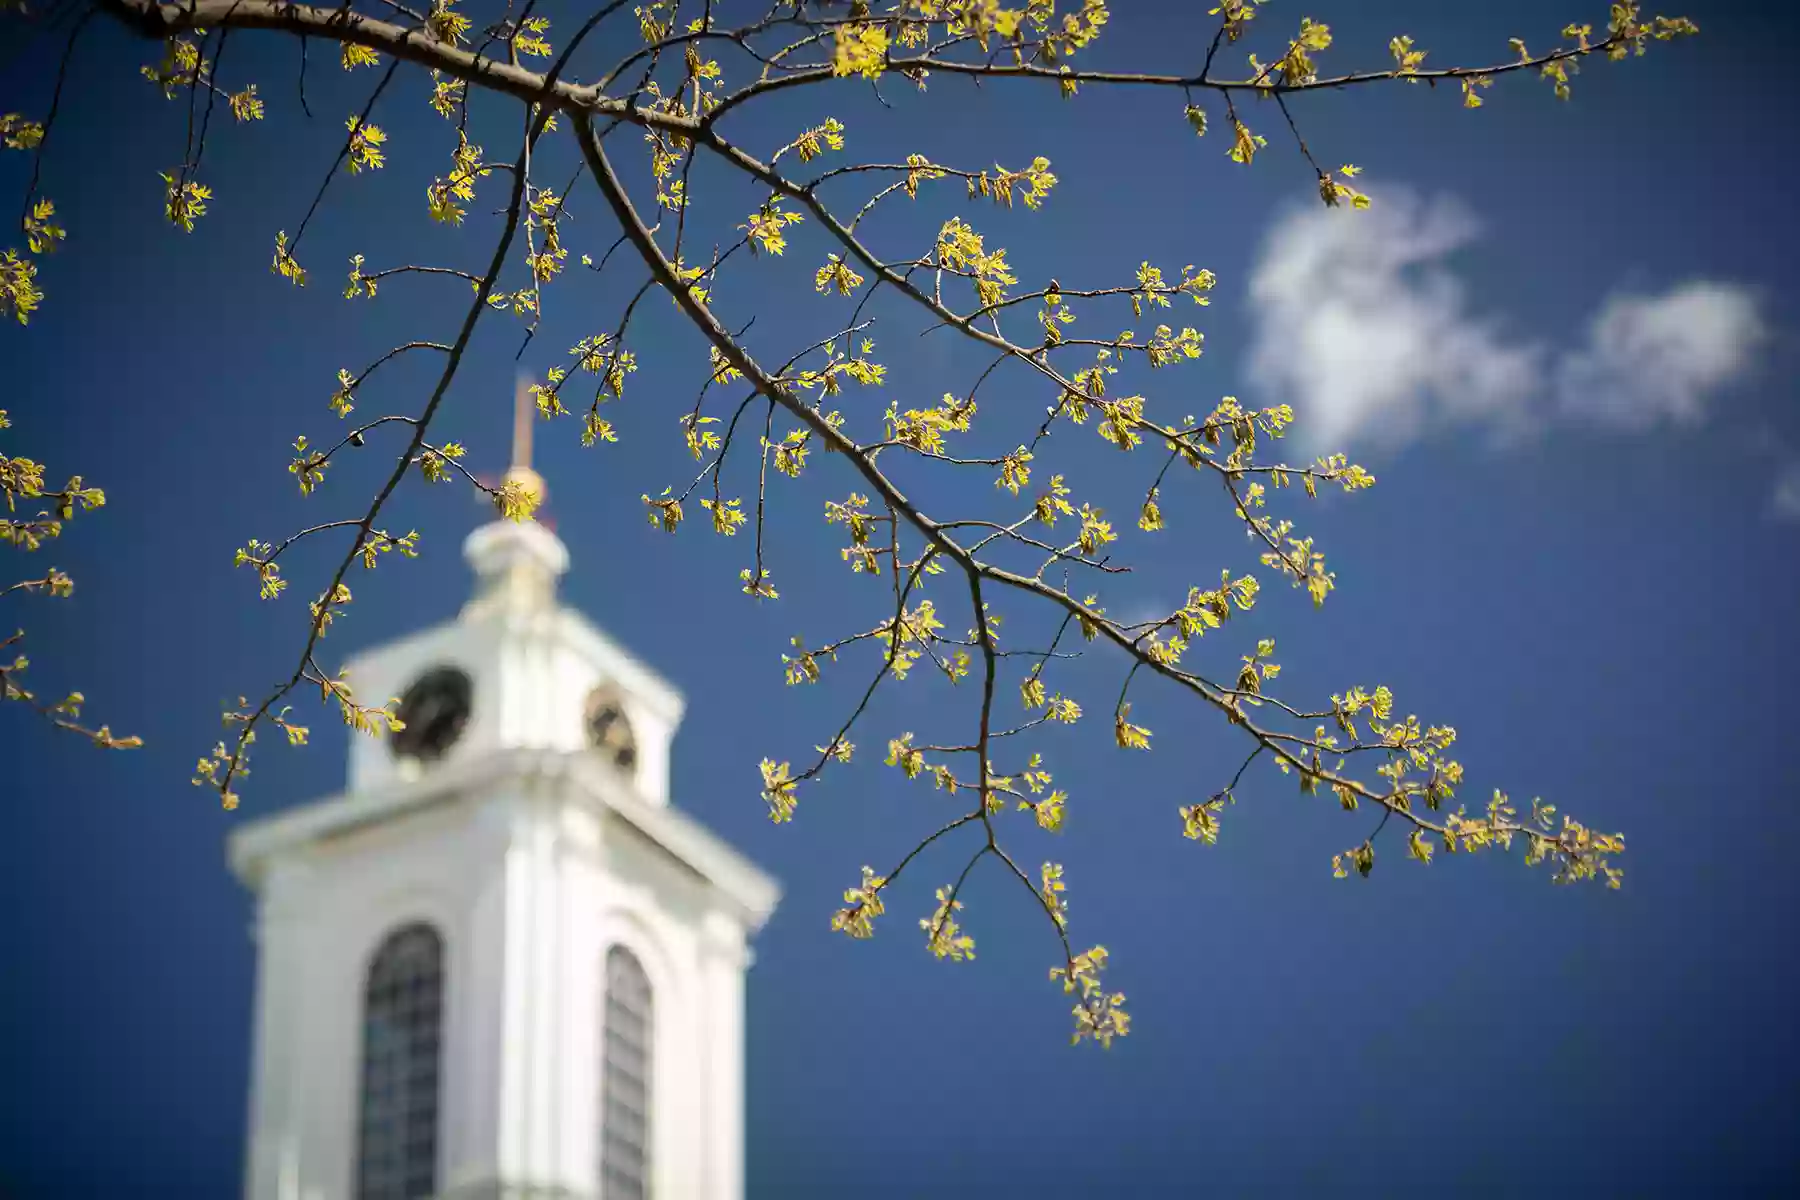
<point x="531" y="857"/>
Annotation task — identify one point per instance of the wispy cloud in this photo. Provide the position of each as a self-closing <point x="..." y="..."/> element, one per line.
<point x="1363" y="323"/>
<point x="1650" y="359"/>
<point x="1366" y="331"/>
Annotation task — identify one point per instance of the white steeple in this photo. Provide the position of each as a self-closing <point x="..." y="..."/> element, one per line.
<point x="500" y="963"/>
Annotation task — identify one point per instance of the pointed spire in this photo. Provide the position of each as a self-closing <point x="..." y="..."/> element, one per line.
<point x="521" y="455"/>
<point x="516" y="563"/>
<point x="524" y="412"/>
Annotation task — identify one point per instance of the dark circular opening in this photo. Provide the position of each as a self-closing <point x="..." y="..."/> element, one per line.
<point x="434" y="710"/>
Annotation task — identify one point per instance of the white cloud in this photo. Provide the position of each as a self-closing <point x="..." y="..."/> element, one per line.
<point x="1364" y="330"/>
<point x="1363" y="324"/>
<point x="1656" y="358"/>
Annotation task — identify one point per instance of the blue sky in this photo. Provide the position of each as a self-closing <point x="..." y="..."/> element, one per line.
<point x="1566" y="353"/>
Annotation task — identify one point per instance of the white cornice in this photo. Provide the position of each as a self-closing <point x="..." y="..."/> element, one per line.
<point x="753" y="891"/>
<point x="252" y="847"/>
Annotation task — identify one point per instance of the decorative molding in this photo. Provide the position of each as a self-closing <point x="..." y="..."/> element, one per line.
<point x="751" y="892"/>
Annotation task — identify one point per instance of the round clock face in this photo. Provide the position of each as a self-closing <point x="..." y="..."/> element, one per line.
<point x="435" y="709"/>
<point x="609" y="732"/>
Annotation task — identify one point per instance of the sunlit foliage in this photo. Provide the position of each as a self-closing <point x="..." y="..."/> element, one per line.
<point x="939" y="587"/>
<point x="36" y="516"/>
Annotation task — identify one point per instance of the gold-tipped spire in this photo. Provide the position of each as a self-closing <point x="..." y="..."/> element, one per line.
<point x="523" y="414"/>
<point x="516" y="563"/>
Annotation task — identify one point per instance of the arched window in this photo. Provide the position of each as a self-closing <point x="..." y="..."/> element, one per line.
<point x="627" y="1028"/>
<point x="403" y="1019"/>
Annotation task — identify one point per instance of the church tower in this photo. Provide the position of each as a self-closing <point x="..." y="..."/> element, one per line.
<point x="501" y="965"/>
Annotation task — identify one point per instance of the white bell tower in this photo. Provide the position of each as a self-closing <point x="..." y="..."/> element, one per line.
<point x="500" y="964"/>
